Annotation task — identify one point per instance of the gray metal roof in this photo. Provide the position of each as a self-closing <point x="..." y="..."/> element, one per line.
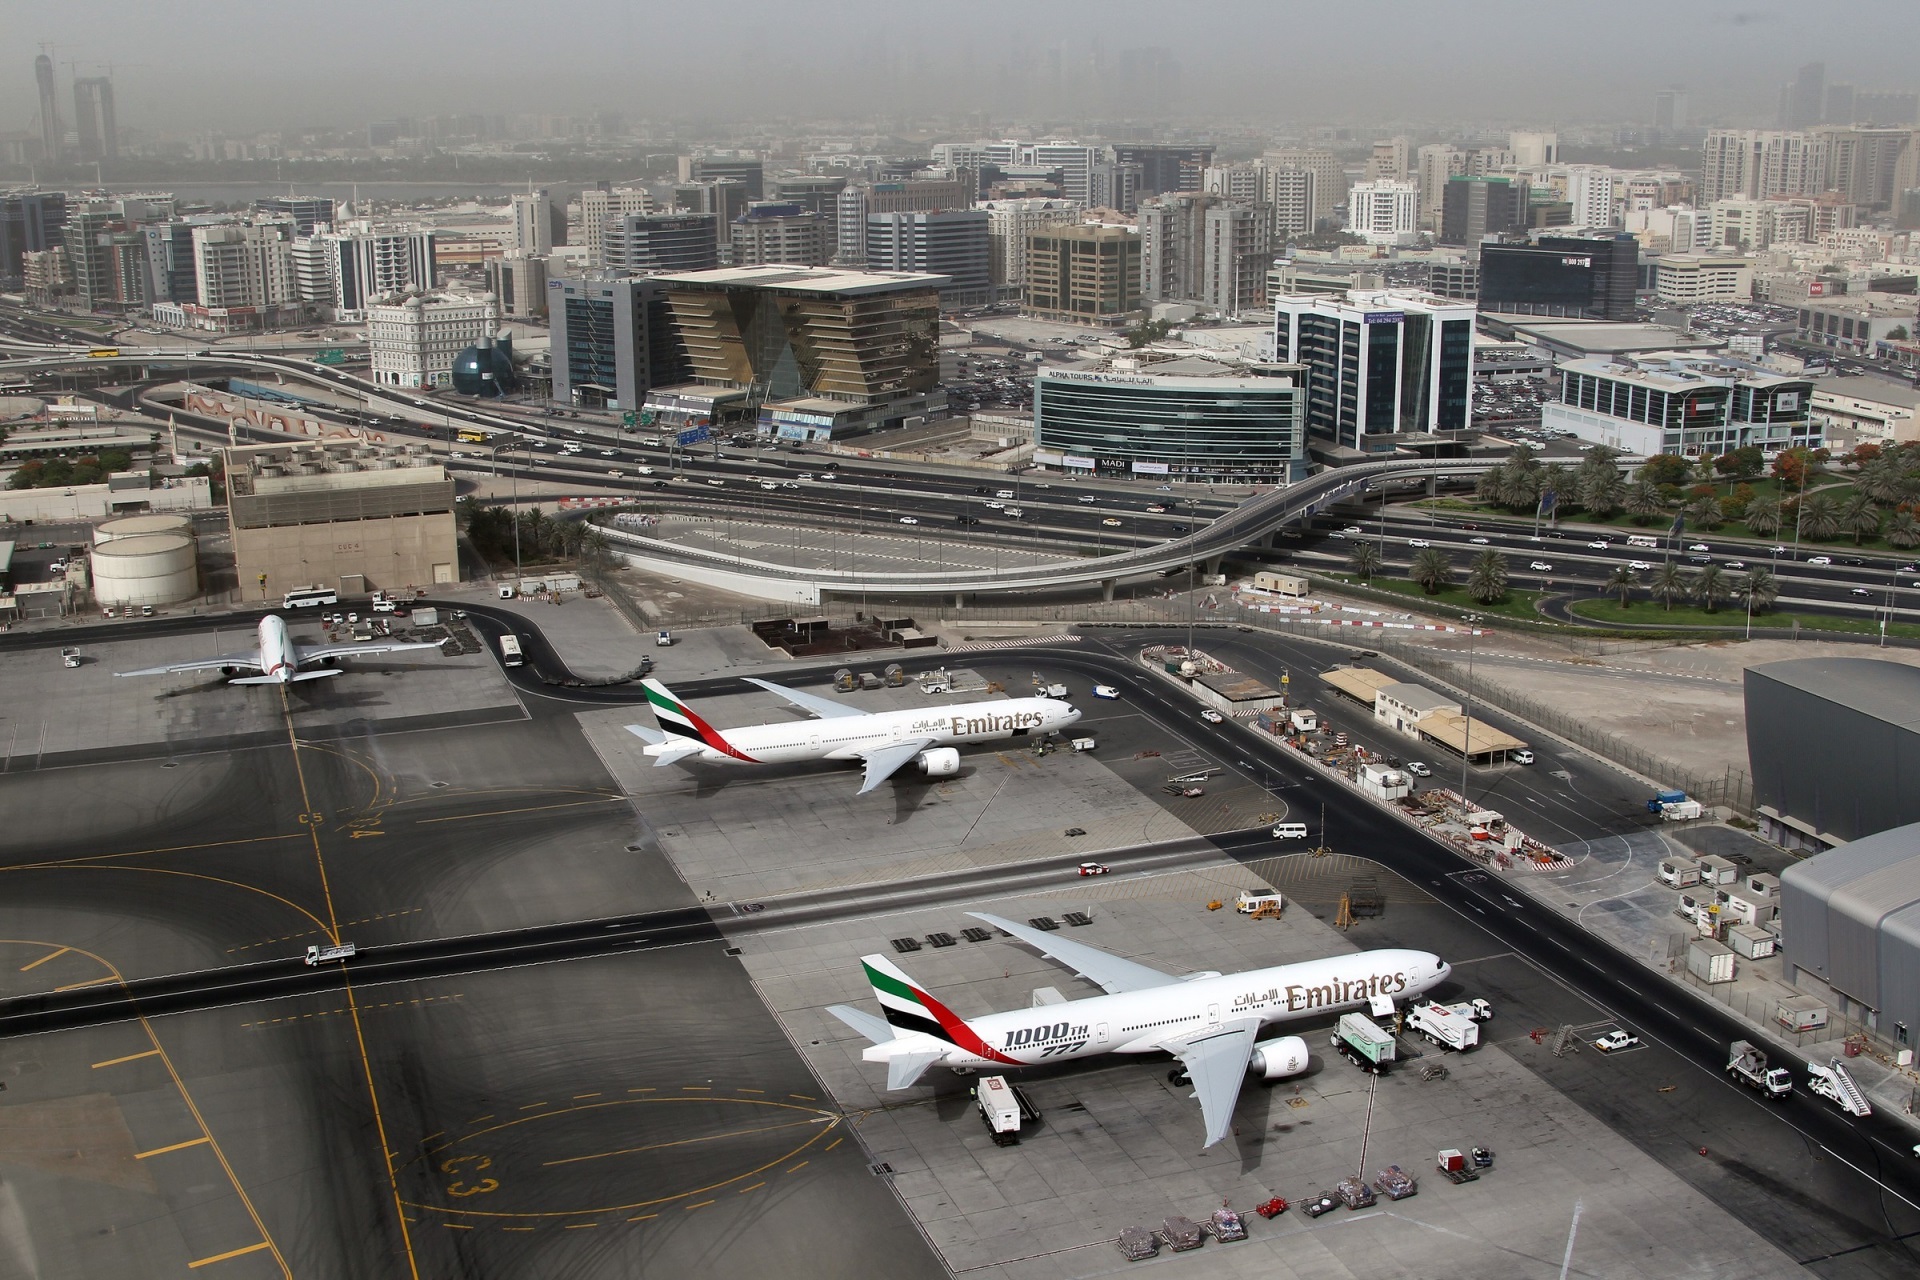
<point x="1888" y="691"/>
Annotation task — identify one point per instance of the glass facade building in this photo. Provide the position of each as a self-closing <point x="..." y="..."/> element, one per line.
<point x="1700" y="407"/>
<point x="1379" y="364"/>
<point x="1242" y="429"/>
<point x="1583" y="277"/>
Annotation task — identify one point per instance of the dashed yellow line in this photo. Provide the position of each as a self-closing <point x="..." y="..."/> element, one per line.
<point x="703" y="1204"/>
<point x="456" y="1226"/>
<point x="745" y="1090"/>
<point x="836" y="1142"/>
<point x="91" y="982"/>
<point x="697" y="1088"/>
<point x="132" y="1057"/>
<point x="580" y="1226"/>
<point x="642" y="1217"/>
<point x="578" y="1096"/>
<point x="755" y="1187"/>
<point x="804" y="1097"/>
<point x="803" y="1164"/>
<point x="308" y="933"/>
<point x="516" y="1228"/>
<point x="534" y="1106"/>
<point x="231" y="1253"/>
<point x="365" y="1008"/>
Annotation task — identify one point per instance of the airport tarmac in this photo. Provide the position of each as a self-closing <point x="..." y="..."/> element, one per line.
<point x="1118" y="1145"/>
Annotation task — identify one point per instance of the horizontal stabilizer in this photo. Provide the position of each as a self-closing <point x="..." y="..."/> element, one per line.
<point x="316" y="675"/>
<point x="874" y="1029"/>
<point x="265" y="679"/>
<point x="676" y="753"/>
<point x="905" y="1069"/>
<point x="652" y="737"/>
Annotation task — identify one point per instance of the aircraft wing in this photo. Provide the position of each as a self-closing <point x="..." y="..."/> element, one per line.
<point x="318" y="652"/>
<point x="250" y="660"/>
<point x="1091" y="963"/>
<point x="1216" y="1061"/>
<point x="825" y="708"/>
<point x="884" y="762"/>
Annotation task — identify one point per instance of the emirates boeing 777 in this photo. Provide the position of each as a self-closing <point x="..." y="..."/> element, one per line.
<point x="278" y="659"/>
<point x="884" y="740"/>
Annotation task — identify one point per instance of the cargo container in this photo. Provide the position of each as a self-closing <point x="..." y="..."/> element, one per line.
<point x="1304" y="719"/>
<point x="1717" y="871"/>
<point x="1284" y="584"/>
<point x="1801" y="1013"/>
<point x="1751" y="941"/>
<point x="1710" y="961"/>
<point x="1442" y="1026"/>
<point x="1679" y="872"/>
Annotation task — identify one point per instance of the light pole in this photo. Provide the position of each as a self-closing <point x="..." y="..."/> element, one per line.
<point x="1466" y="743"/>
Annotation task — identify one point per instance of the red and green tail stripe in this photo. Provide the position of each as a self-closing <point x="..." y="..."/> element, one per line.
<point x="907" y="1008"/>
<point x="679" y="720"/>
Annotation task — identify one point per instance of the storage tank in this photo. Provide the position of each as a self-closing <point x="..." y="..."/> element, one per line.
<point x="141" y="527"/>
<point x="155" y="568"/>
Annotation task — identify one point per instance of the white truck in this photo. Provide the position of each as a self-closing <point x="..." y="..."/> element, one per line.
<point x="1085" y="744"/>
<point x="1478" y="1010"/>
<point x="1834" y="1084"/>
<point x="1361" y="1042"/>
<point x="1259" y="902"/>
<point x="319" y="955"/>
<point x="1053" y="691"/>
<point x="1747" y="1063"/>
<point x="1004" y="1107"/>
<point x="1441" y="1025"/>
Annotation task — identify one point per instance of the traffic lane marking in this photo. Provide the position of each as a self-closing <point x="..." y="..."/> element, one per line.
<point x="231" y="1253"/>
<point x="178" y="1146"/>
<point x="132" y="1057"/>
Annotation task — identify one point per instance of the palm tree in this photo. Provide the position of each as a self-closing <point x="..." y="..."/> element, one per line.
<point x="1860" y="516"/>
<point x="1559" y="481"/>
<point x="1903" y="530"/>
<point x="1365" y="560"/>
<point x="1759" y="589"/>
<point x="1519" y="487"/>
<point x="1487" y="579"/>
<point x="1431" y="569"/>
<point x="1704" y="513"/>
<point x="1521" y="455"/>
<point x="1763" y="517"/>
<point x="1602" y="491"/>
<point x="1669" y="584"/>
<point x="1622" y="579"/>
<point x="1491" y="485"/>
<point x="1643" y="501"/>
<point x="1819" y="518"/>
<point x="1709" y="586"/>
<point x="1882" y="481"/>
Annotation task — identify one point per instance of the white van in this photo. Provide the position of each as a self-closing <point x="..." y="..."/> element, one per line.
<point x="1003" y="493"/>
<point x="1290" y="831"/>
<point x="1252" y="900"/>
<point x="1642" y="540"/>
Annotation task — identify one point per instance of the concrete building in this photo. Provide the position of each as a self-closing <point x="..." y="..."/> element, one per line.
<point x="1831" y="742"/>
<point x="1534" y="150"/>
<point x="1191" y="418"/>
<point x="1111" y="185"/>
<point x="1235" y="181"/>
<point x="93" y="119"/>
<point x="1379" y="364"/>
<point x="1084" y="273"/>
<point x="539" y="222"/>
<point x="1384" y="212"/>
<point x="519" y="281"/>
<point x="1476" y="208"/>
<point x="612" y="340"/>
<point x="414" y="338"/>
<point x="1591" y="190"/>
<point x="30" y="222"/>
<point x="1866" y="410"/>
<point x="1858" y="323"/>
<point x="306" y="212"/>
<point x="1864" y="165"/>
<point x="954" y="244"/>
<point x="337" y="271"/>
<point x="347" y="516"/>
<point x="1288" y="193"/>
<point x="779" y="232"/>
<point x="859" y="199"/>
<point x="1850" y="931"/>
<point x="1692" y="405"/>
<point x="1753" y="225"/>
<point x="1684" y="279"/>
<point x="1760" y="164"/>
<point x="1205" y="248"/>
<point x="1010" y="224"/>
<point x="1588" y="277"/>
<point x="646" y="243"/>
<point x="726" y="166"/>
<point x="600" y="204"/>
<point x="1330" y="176"/>
<point x="1164" y="167"/>
<point x="243" y="277"/>
<point x="106" y="257"/>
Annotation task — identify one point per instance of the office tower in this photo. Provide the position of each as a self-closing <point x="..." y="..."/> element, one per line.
<point x="1289" y="194"/>
<point x="1579" y="277"/>
<point x="51" y="134"/>
<point x="1074" y="161"/>
<point x="93" y="118"/>
<point x="1209" y="421"/>
<point x="816" y="193"/>
<point x="1172" y="243"/>
<point x="1534" y="150"/>
<point x="1163" y="168"/>
<point x="30" y="222"/>
<point x="954" y="243"/>
<point x="1384" y="212"/>
<point x="1009" y="224"/>
<point x="343" y="270"/>
<point x="244" y="268"/>
<point x="776" y="231"/>
<point x="858" y="199"/>
<point x="1434" y="166"/>
<point x="1112" y="185"/>
<point x="1590" y="192"/>
<point x="1083" y="272"/>
<point x="519" y="281"/>
<point x="1805" y="99"/>
<point x="533" y="218"/>
<point x="612" y="340"/>
<point x="1235" y="181"/>
<point x="1236" y="250"/>
<point x="1760" y="164"/>
<point x="748" y="171"/>
<point x="1389" y="161"/>
<point x="170" y="275"/>
<point x="1670" y="109"/>
<point x="597" y="205"/>
<point x="1476" y="208"/>
<point x="1329" y="176"/>
<point x="307" y="212"/>
<point x="1378" y="363"/>
<point x="648" y="243"/>
<point x="88" y="231"/>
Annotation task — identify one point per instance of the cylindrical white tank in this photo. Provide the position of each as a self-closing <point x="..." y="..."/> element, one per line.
<point x="155" y="568"/>
<point x="141" y="527"/>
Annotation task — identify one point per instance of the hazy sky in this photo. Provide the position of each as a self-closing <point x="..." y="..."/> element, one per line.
<point x="243" y="65"/>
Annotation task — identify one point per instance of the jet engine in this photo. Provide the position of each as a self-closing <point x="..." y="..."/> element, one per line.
<point x="940" y="762"/>
<point x="229" y="671"/>
<point x="1276" y="1059"/>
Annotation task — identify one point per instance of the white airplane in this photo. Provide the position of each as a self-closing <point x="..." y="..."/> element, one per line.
<point x="278" y="659"/>
<point x="884" y="740"/>
<point x="1210" y="1021"/>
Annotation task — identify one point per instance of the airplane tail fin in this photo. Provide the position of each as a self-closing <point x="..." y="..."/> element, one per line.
<point x="908" y="1007"/>
<point x="677" y="720"/>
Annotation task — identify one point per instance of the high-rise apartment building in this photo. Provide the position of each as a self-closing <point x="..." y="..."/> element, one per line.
<point x="600" y="203"/>
<point x="1390" y="161"/>
<point x="243" y="277"/>
<point x="1753" y="225"/>
<point x="779" y="232"/>
<point x="1760" y="164"/>
<point x="1329" y="175"/>
<point x="1205" y="248"/>
<point x="106" y="257"/>
<point x="1289" y="193"/>
<point x="1082" y="272"/>
<point x="93" y="119"/>
<point x="1385" y="212"/>
<point x="646" y="243"/>
<point x="339" y="271"/>
<point x="30" y="222"/>
<point x="1434" y="165"/>
<point x="1009" y="225"/>
<point x="954" y="243"/>
<point x="534" y="216"/>
<point x="1590" y="190"/>
<point x="1114" y="185"/>
<point x="1379" y="363"/>
<point x="1534" y="150"/>
<point x="1235" y="181"/>
<point x="1862" y="163"/>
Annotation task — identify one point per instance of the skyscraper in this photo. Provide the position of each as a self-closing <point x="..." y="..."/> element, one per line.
<point x="1670" y="109"/>
<point x="1805" y="100"/>
<point x="1760" y="164"/>
<point x="1473" y="209"/>
<point x="533" y="222"/>
<point x="93" y="118"/>
<point x="1329" y="175"/>
<point x="954" y="243"/>
<point x="50" y="131"/>
<point x="1379" y="363"/>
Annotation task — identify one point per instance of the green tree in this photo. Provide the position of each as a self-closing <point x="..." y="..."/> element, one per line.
<point x="1710" y="586"/>
<point x="1860" y="516"/>
<point x="1519" y="487"/>
<point x="1759" y="588"/>
<point x="1487" y="577"/>
<point x="1490" y="486"/>
<point x="1602" y="491"/>
<point x="1622" y="580"/>
<point x="1669" y="584"/>
<point x="1819" y="517"/>
<point x="1903" y="531"/>
<point x="1560" y="482"/>
<point x="1883" y="481"/>
<point x="1665" y="468"/>
<point x="1431" y="569"/>
<point x="1763" y="517"/>
<point x="1365" y="560"/>
<point x="1703" y="513"/>
<point x="1643" y="501"/>
<point x="1148" y="331"/>
<point x="1897" y="334"/>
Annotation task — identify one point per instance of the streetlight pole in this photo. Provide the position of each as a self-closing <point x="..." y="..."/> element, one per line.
<point x="1466" y="744"/>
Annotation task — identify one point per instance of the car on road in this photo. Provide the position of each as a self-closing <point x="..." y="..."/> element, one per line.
<point x="1600" y="544"/>
<point x="1105" y="691"/>
<point x="1852" y="560"/>
<point x="1094" y="869"/>
<point x="613" y="471"/>
<point x="1699" y="546"/>
<point x="1776" y="551"/>
<point x="1211" y="716"/>
<point x="1639" y="566"/>
<point x="1540" y="566"/>
<point x="716" y="481"/>
<point x="1615" y="1040"/>
<point x="1819" y="559"/>
<point x="903" y="519"/>
<point x="768" y="484"/>
<point x="606" y="453"/>
<point x="1076" y="831"/>
<point x="1180" y="528"/>
<point x="1111" y="523"/>
<point x="1736" y="564"/>
<point x="1860" y="591"/>
<point x="1478" y="542"/>
<point x="1353" y="528"/>
<point x="1155" y="507"/>
<point x="1419" y="769"/>
<point x="1699" y="559"/>
<point x="1418" y="542"/>
<point x="1523" y="756"/>
<point x="1087" y="499"/>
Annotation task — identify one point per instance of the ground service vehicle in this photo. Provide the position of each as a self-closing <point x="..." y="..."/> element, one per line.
<point x="1259" y="902"/>
<point x="1053" y="691"/>
<point x="1085" y="744"/>
<point x="1444" y="1027"/>
<point x="1478" y="1010"/>
<point x="69" y="657"/>
<point x="1615" y="1040"/>
<point x="1224" y="1225"/>
<point x="663" y="639"/>
<point x="510" y="654"/>
<point x="319" y="955"/>
<point x="1093" y="868"/>
<point x="1290" y="831"/>
<point x="1318" y="1203"/>
<point x="1361" y="1042"/>
<point x="1395" y="1183"/>
<point x="1105" y="691"/>
<point x="1003" y="1107"/>
<point x="1211" y="716"/>
<point x="1833" y="1083"/>
<point x="1748" y="1065"/>
<point x="309" y="597"/>
<point x="1455" y="1165"/>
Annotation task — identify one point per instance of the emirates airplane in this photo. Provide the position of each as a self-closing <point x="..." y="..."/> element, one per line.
<point x="278" y="659"/>
<point x="1211" y="1022"/>
<point x="884" y="740"/>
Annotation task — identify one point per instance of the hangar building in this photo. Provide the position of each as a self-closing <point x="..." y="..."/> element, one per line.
<point x="1850" y="929"/>
<point x="1834" y="745"/>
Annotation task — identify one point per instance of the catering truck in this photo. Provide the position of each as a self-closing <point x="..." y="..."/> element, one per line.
<point x="1004" y="1107"/>
<point x="1443" y="1026"/>
<point x="1361" y="1042"/>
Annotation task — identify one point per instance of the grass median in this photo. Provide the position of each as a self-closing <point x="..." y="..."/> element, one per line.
<point x="1649" y="613"/>
<point x="1515" y="604"/>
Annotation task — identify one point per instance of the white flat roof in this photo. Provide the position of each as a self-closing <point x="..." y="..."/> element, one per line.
<point x="809" y="279"/>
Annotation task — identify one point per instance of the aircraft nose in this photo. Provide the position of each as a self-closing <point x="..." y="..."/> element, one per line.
<point x="1073" y="713"/>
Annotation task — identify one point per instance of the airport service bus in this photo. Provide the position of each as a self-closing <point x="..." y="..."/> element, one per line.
<point x="309" y="597"/>
<point x="101" y="353"/>
<point x="510" y="655"/>
<point x="473" y="437"/>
